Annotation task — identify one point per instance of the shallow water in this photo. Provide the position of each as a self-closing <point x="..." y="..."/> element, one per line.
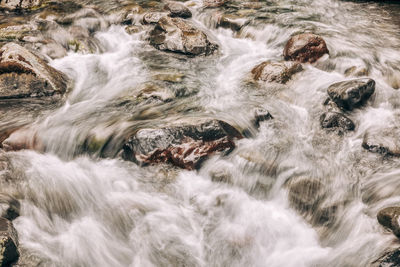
<point x="91" y="209"/>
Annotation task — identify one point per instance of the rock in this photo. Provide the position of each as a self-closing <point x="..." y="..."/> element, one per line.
<point x="304" y="193"/>
<point x="214" y="3"/>
<point x="185" y="146"/>
<point x="279" y="72"/>
<point x="261" y="115"/>
<point x="8" y="243"/>
<point x="19" y="4"/>
<point x="385" y="142"/>
<point x="176" y="35"/>
<point x="177" y="9"/>
<point x="23" y="74"/>
<point x="336" y="120"/>
<point x="16" y="32"/>
<point x="356" y="71"/>
<point x="153" y="17"/>
<point x="9" y="206"/>
<point x="351" y="94"/>
<point x="231" y="22"/>
<point x="389" y="218"/>
<point x="305" y="47"/>
<point x="24" y="138"/>
<point x="169" y="77"/>
<point x="389" y="259"/>
<point x="132" y="29"/>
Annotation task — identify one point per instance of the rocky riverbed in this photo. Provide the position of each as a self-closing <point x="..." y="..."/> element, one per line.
<point x="199" y="133"/>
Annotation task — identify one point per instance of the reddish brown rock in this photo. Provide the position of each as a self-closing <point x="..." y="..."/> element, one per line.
<point x="305" y="47"/>
<point x="177" y="9"/>
<point x="185" y="146"/>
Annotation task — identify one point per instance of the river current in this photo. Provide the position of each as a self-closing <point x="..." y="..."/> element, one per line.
<point x="94" y="209"/>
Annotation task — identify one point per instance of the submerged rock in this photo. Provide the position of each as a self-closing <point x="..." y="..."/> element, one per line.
<point x="356" y="71"/>
<point x="351" y="94"/>
<point x="279" y="72"/>
<point x="336" y="120"/>
<point x="23" y="74"/>
<point x="304" y="193"/>
<point x="389" y="218"/>
<point x="177" y="9"/>
<point x="385" y="142"/>
<point x="185" y="146"/>
<point x="214" y="3"/>
<point x="231" y="22"/>
<point x="305" y="47"/>
<point x="8" y="243"/>
<point x="177" y="35"/>
<point x="9" y="206"/>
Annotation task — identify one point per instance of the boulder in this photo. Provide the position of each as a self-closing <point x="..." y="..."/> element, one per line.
<point x="389" y="218"/>
<point x="382" y="141"/>
<point x="177" y="35"/>
<point x="177" y="9"/>
<point x="23" y="74"/>
<point x="185" y="146"/>
<point x="351" y="94"/>
<point x="8" y="243"/>
<point x="279" y="72"/>
<point x="19" y="4"/>
<point x="388" y="259"/>
<point x="214" y="3"/>
<point x="337" y="121"/>
<point x="305" y="47"/>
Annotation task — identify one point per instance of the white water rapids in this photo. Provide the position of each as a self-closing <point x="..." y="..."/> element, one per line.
<point x="85" y="210"/>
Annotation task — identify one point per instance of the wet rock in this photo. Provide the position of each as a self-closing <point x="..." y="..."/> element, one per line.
<point x="25" y="138"/>
<point x="153" y="17"/>
<point x="23" y="74"/>
<point x="279" y="72"/>
<point x="8" y="243"/>
<point x="335" y="120"/>
<point x="19" y="4"/>
<point x="15" y="32"/>
<point x="261" y="115"/>
<point x="9" y="206"/>
<point x="231" y="22"/>
<point x="169" y="77"/>
<point x="185" y="146"/>
<point x="132" y="29"/>
<point x="382" y="141"/>
<point x="389" y="218"/>
<point x="177" y="35"/>
<point x="80" y="14"/>
<point x="177" y="9"/>
<point x="351" y="94"/>
<point x="356" y="71"/>
<point x="305" y="47"/>
<point x="304" y="193"/>
<point x="214" y="3"/>
<point x="389" y="259"/>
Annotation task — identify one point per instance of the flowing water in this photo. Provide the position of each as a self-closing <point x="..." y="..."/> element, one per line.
<point x="94" y="209"/>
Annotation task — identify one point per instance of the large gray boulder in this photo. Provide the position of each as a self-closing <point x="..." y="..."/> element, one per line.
<point x="177" y="35"/>
<point x="23" y="75"/>
<point x="351" y="94"/>
<point x="8" y="243"/>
